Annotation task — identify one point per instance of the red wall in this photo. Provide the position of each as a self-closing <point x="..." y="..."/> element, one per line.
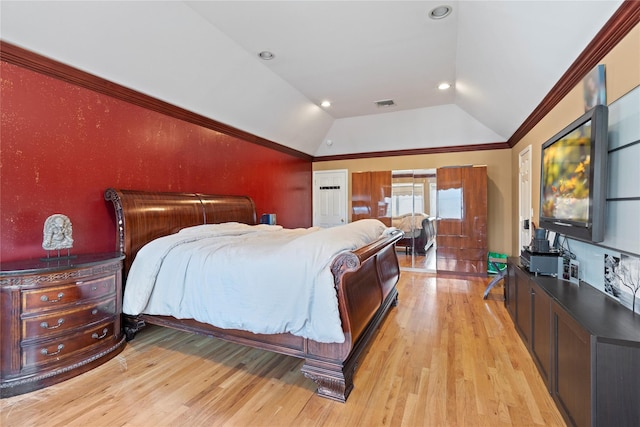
<point x="61" y="146"/>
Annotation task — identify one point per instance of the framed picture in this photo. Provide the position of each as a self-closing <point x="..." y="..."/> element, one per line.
<point x="611" y="286"/>
<point x="574" y="271"/>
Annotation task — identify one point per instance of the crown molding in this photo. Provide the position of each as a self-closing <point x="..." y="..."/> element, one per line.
<point x="415" y="152"/>
<point x="617" y="27"/>
<point x="32" y="61"/>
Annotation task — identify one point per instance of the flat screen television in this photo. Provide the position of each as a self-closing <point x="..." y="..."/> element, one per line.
<point x="573" y="178"/>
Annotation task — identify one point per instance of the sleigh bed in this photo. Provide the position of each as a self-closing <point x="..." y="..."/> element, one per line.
<point x="364" y="279"/>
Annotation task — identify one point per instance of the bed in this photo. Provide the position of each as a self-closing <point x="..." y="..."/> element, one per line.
<point x="419" y="232"/>
<point x="364" y="279"/>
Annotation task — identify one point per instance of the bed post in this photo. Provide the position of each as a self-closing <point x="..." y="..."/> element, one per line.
<point x="333" y="380"/>
<point x="111" y="195"/>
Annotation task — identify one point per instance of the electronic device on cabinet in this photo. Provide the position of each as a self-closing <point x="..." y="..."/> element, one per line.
<point x="539" y="257"/>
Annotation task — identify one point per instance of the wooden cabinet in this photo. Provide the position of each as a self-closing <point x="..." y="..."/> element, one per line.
<point x="371" y="196"/>
<point x="523" y="306"/>
<point x="585" y="345"/>
<point x="59" y="318"/>
<point x="510" y="292"/>
<point x="532" y="317"/>
<point x="541" y="331"/>
<point x="462" y="220"/>
<point x="572" y="369"/>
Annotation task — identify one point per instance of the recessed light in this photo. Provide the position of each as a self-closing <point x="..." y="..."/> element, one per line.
<point x="440" y="12"/>
<point x="266" y="55"/>
<point x="325" y="104"/>
<point x="444" y="86"/>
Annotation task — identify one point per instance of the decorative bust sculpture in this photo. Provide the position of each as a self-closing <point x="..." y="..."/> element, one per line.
<point x="57" y="233"/>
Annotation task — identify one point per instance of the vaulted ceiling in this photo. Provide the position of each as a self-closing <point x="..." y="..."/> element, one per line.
<point x="501" y="58"/>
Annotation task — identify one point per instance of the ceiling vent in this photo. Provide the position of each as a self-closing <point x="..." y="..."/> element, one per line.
<point x="385" y="103"/>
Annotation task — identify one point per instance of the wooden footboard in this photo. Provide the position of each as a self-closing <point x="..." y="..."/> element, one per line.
<point x="366" y="284"/>
<point x="365" y="281"/>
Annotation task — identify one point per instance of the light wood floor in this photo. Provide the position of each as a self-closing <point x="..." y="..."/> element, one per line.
<point x="425" y="263"/>
<point x="443" y="357"/>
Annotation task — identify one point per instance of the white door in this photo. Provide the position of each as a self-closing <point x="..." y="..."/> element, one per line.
<point x="524" y="222"/>
<point x="330" y="198"/>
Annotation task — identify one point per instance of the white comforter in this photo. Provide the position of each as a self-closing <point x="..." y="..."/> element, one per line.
<point x="263" y="279"/>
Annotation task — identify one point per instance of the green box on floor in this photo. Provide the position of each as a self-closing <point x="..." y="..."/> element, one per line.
<point x="491" y="266"/>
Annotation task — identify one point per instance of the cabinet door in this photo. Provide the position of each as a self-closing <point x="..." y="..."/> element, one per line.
<point x="360" y="195"/>
<point x="371" y="196"/>
<point x="474" y="223"/>
<point x="523" y="306"/>
<point x="541" y="332"/>
<point x="381" y="196"/>
<point x="510" y="291"/>
<point x="617" y="385"/>
<point x="462" y="220"/>
<point x="572" y="368"/>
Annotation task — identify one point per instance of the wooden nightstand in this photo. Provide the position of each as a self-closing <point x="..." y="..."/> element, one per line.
<point x="59" y="318"/>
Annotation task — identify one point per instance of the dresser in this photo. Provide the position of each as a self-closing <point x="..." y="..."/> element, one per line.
<point x="59" y="318"/>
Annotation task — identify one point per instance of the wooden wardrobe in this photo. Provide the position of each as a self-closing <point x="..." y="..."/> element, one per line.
<point x="371" y="196"/>
<point x="462" y="220"/>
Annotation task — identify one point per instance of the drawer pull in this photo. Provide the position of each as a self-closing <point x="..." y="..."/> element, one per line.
<point x="99" y="337"/>
<point x="45" y="325"/>
<point x="45" y="298"/>
<point x="94" y="311"/>
<point x="46" y="352"/>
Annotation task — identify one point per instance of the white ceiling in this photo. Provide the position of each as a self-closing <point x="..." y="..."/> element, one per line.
<point x="502" y="57"/>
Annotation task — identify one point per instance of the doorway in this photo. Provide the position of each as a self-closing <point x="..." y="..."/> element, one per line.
<point x="413" y="211"/>
<point x="524" y="184"/>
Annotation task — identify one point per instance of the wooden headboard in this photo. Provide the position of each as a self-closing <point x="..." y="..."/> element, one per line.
<point x="142" y="216"/>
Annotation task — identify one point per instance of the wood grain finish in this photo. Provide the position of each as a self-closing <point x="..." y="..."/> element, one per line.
<point x="146" y="215"/>
<point x="59" y="319"/>
<point x="364" y="280"/>
<point x="370" y="193"/>
<point x="45" y="325"/>
<point x="462" y="240"/>
<point x="361" y="196"/>
<point x="444" y="357"/>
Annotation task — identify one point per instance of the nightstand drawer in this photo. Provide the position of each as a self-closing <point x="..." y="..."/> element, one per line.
<point x="50" y="298"/>
<point x="62" y="321"/>
<point x="58" y="319"/>
<point x="55" y="350"/>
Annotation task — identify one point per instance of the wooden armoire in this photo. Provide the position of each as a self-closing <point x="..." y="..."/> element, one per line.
<point x="371" y="196"/>
<point x="462" y="220"/>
